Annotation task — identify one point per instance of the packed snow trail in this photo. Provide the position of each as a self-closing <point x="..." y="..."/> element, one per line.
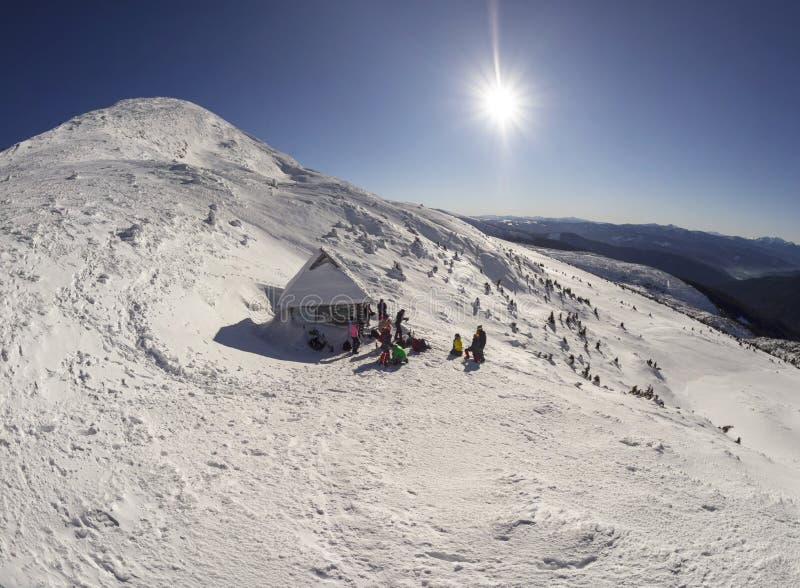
<point x="158" y="431"/>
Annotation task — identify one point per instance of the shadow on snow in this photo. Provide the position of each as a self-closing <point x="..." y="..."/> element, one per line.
<point x="283" y="343"/>
<point x="273" y="342"/>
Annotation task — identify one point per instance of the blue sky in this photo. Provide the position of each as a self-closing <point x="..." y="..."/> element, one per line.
<point x="641" y="111"/>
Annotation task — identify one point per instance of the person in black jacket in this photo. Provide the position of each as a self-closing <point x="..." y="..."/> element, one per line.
<point x="382" y="310"/>
<point x="478" y="344"/>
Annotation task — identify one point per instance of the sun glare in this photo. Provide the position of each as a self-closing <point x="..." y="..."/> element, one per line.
<point x="501" y="104"/>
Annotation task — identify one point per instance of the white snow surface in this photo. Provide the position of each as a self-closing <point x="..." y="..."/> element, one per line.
<point x="158" y="431"/>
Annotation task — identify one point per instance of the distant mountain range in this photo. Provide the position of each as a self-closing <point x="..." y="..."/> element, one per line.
<point x="739" y="257"/>
<point x="757" y="280"/>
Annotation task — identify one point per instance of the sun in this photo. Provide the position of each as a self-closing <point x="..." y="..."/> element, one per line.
<point x="501" y="104"/>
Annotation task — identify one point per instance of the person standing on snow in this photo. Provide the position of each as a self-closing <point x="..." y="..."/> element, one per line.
<point x="382" y="314"/>
<point x="478" y="343"/>
<point x="481" y="343"/>
<point x="385" y="345"/>
<point x="368" y="314"/>
<point x="384" y="324"/>
<point x="353" y="330"/>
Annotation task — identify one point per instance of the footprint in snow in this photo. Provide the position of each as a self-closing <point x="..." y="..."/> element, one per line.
<point x="326" y="573"/>
<point x="452" y="557"/>
<point x="555" y="563"/>
<point x="506" y="531"/>
<point x="96" y="519"/>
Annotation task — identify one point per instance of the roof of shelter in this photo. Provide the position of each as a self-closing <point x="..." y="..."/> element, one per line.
<point x="322" y="281"/>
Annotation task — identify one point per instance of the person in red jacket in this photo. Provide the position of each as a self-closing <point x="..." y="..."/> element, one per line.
<point x="386" y="346"/>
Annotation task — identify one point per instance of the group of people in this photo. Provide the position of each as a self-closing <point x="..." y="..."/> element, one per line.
<point x="393" y="346"/>
<point x="384" y="322"/>
<point x="390" y="350"/>
<point x="392" y="339"/>
<point x="476" y="348"/>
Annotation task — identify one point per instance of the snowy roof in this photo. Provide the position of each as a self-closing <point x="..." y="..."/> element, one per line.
<point x="323" y="280"/>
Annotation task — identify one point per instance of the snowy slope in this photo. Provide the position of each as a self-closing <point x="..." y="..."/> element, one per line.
<point x="654" y="283"/>
<point x="157" y="430"/>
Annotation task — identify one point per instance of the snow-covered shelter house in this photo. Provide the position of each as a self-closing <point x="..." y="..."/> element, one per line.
<point x="324" y="291"/>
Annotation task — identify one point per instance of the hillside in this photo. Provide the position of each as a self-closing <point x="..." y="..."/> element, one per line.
<point x="653" y="283"/>
<point x="708" y="262"/>
<point x="159" y="429"/>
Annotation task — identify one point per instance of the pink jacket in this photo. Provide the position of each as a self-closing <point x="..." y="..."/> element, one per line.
<point x="353" y="329"/>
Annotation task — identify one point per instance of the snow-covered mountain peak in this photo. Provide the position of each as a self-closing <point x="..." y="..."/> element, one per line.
<point x="158" y="130"/>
